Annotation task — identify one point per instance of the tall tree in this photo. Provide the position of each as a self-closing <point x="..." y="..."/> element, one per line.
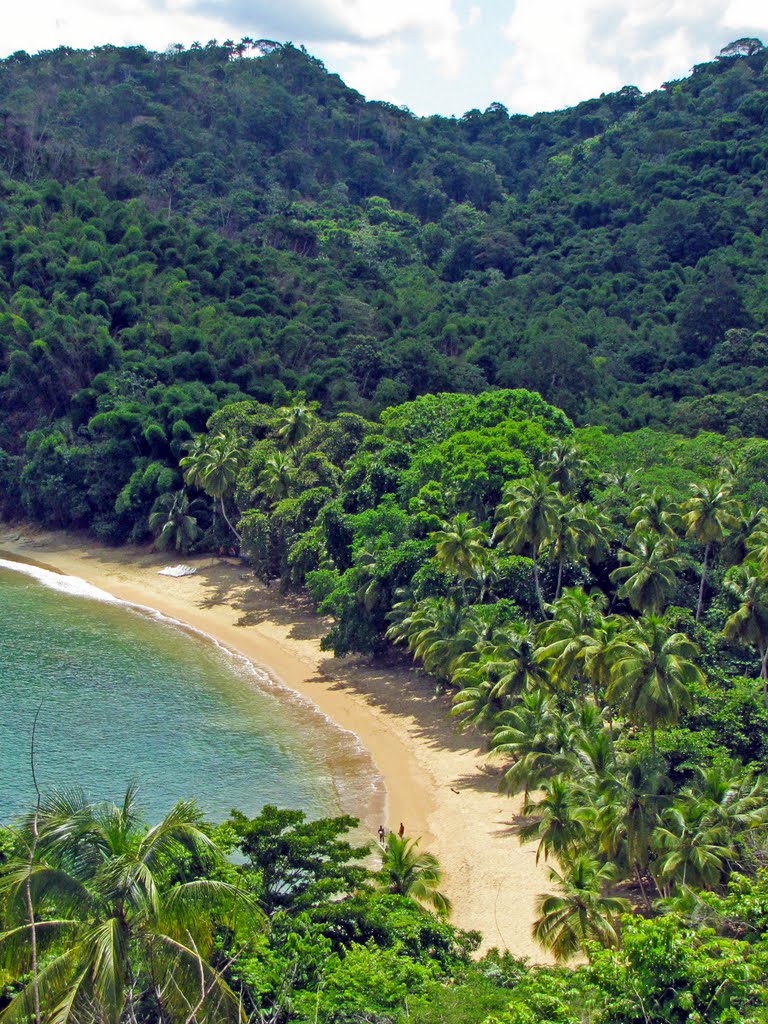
<point x="651" y="671"/>
<point x="527" y="520"/>
<point x="555" y="819"/>
<point x="278" y="477"/>
<point x="571" y="536"/>
<point x="693" y="848"/>
<point x="567" y="638"/>
<point x="566" y="467"/>
<point x="496" y="670"/>
<point x="437" y="630"/>
<point x="580" y="913"/>
<point x="461" y="546"/>
<point x="540" y="739"/>
<point x="295" y="421"/>
<point x="213" y="464"/>
<point x="757" y="541"/>
<point x="408" y="872"/>
<point x="748" y="625"/>
<point x="173" y="522"/>
<point x="115" y="924"/>
<point x="657" y="513"/>
<point x="626" y="810"/>
<point x="709" y="513"/>
<point x="649" y="579"/>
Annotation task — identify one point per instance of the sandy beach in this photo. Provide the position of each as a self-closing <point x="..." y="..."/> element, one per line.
<point x="439" y="783"/>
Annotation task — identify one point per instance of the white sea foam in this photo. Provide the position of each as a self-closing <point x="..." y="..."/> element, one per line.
<point x="56" y="581"/>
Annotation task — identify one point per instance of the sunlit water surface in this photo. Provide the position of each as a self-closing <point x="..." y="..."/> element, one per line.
<point x="128" y="697"/>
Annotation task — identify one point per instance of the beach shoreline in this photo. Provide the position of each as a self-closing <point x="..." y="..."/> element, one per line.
<point x="440" y="784"/>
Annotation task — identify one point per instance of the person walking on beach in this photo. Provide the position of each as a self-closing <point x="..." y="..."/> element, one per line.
<point x="381" y="834"/>
<point x="401" y="830"/>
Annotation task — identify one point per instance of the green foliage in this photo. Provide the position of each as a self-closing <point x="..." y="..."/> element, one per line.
<point x="264" y="266"/>
<point x="367" y="982"/>
<point x="669" y="973"/>
<point x="389" y="258"/>
<point x="299" y="863"/>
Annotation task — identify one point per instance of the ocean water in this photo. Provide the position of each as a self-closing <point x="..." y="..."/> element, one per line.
<point x="126" y="696"/>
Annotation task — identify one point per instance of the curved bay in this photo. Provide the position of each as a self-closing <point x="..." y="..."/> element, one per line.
<point x="130" y="699"/>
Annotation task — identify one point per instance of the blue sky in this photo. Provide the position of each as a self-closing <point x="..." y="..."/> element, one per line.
<point x="433" y="56"/>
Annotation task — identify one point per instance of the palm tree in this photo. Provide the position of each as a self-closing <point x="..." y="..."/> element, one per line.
<point x="295" y="421"/>
<point x="650" y="674"/>
<point x="437" y="630"/>
<point x="749" y="623"/>
<point x="580" y="913"/>
<point x="626" y="811"/>
<point x="540" y="739"/>
<point x="599" y="535"/>
<point x="693" y="848"/>
<point x="172" y="521"/>
<point x="747" y="538"/>
<point x="702" y="836"/>
<point x="566" y="638"/>
<point x="515" y="665"/>
<point x="709" y="513"/>
<point x="735" y="796"/>
<point x="622" y="480"/>
<point x="565" y="466"/>
<point x="527" y="520"/>
<point x="407" y="872"/>
<point x="649" y="579"/>
<point x="504" y="664"/>
<point x="278" y="477"/>
<point x="115" y="924"/>
<point x="556" y="821"/>
<point x="757" y="542"/>
<point x="656" y="513"/>
<point x="369" y="584"/>
<point x="571" y="537"/>
<point x="476" y="704"/>
<point x="213" y="464"/>
<point x="461" y="546"/>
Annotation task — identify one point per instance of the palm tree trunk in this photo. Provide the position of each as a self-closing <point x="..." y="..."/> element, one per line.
<point x="703" y="580"/>
<point x="639" y="877"/>
<point x="226" y="520"/>
<point x="130" y="1004"/>
<point x="611" y="743"/>
<point x="536" y="582"/>
<point x="559" y="579"/>
<point x="28" y="885"/>
<point x="33" y="924"/>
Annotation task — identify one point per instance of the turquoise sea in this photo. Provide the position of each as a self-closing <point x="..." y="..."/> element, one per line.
<point x="130" y="697"/>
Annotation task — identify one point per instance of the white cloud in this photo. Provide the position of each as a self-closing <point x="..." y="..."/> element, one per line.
<point x="44" y="25"/>
<point x="377" y="29"/>
<point x="372" y="71"/>
<point x="365" y="22"/>
<point x="568" y="50"/>
<point x="529" y="54"/>
<point x="554" y="56"/>
<point x="747" y="12"/>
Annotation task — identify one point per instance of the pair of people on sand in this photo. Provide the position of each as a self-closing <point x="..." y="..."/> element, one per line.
<point x="382" y="832"/>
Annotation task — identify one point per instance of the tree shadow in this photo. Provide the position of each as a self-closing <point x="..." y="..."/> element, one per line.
<point x="391" y="685"/>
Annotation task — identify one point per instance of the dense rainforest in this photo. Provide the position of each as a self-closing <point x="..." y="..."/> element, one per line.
<point x="184" y="229"/>
<point x="490" y="391"/>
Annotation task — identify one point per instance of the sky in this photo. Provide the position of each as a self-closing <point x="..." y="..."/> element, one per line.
<point x="432" y="56"/>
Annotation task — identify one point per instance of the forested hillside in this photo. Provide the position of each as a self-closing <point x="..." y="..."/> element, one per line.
<point x="224" y="222"/>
